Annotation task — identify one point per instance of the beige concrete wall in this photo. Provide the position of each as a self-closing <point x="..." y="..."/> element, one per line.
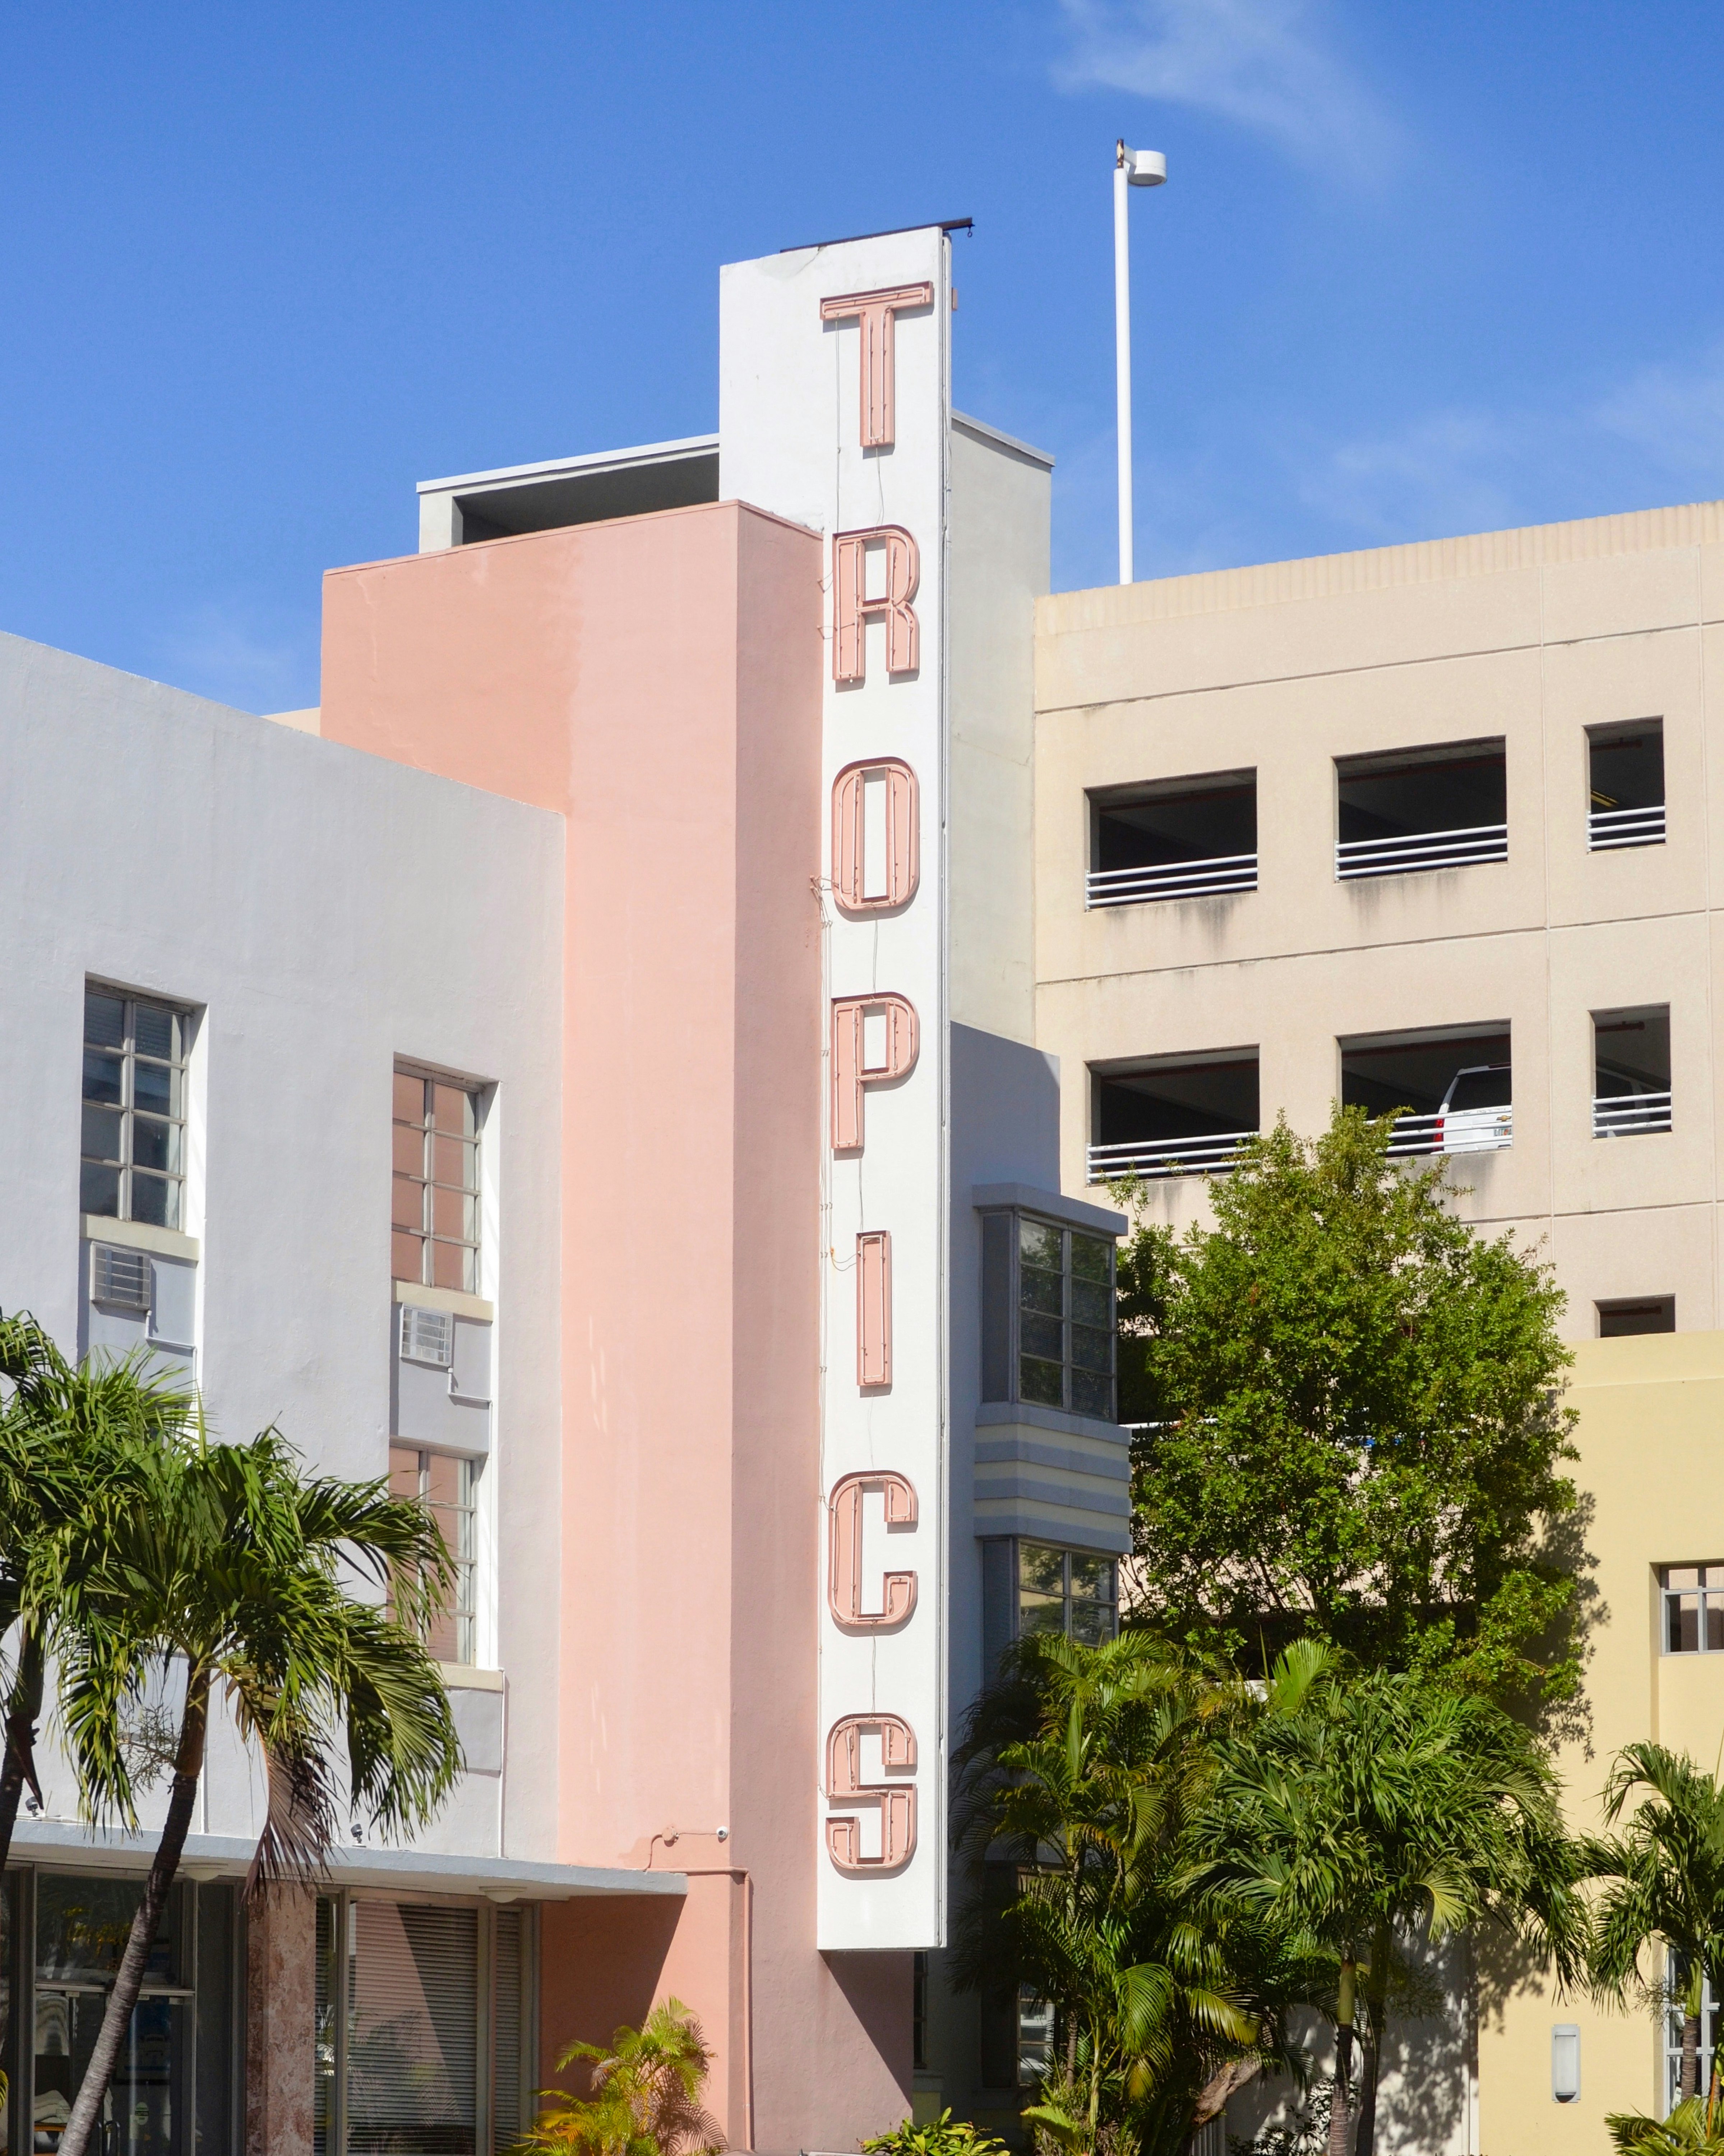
<point x="1534" y="635"/>
<point x="1531" y="635"/>
<point x="1652" y="1466"/>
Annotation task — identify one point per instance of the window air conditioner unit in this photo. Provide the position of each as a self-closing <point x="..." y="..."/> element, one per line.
<point x="119" y="1278"/>
<point x="427" y="1336"/>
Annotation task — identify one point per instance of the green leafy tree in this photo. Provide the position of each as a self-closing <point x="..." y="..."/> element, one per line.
<point x="1084" y="1767"/>
<point x="1666" y="1884"/>
<point x="226" y="1581"/>
<point x="644" y="2096"/>
<point x="1358" y="1428"/>
<point x="1370" y="1810"/>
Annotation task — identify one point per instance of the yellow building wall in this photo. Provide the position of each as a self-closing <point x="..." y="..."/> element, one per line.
<point x="1651" y="1441"/>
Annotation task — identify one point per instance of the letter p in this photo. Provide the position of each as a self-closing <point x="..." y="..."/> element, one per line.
<point x="865" y="1054"/>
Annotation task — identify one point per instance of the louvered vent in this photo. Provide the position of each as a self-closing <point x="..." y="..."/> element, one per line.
<point x="412" y="2048"/>
<point x="427" y="1336"/>
<point x="119" y="1277"/>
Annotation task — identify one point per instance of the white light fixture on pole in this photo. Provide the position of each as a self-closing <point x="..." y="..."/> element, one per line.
<point x="1134" y="168"/>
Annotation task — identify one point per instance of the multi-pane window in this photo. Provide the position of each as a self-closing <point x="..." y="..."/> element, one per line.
<point x="1064" y="1318"/>
<point x="448" y="1485"/>
<point x="1069" y="1591"/>
<point x="1693" y="1598"/>
<point x="435" y="1216"/>
<point x="133" y="1148"/>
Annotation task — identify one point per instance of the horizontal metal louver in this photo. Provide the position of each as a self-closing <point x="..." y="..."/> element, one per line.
<point x="427" y="1336"/>
<point x="119" y="1277"/>
<point x="412" y="2043"/>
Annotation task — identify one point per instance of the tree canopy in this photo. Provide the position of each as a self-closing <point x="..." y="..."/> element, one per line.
<point x="1355" y="1429"/>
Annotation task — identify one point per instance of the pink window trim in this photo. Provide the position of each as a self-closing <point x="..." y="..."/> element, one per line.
<point x="897" y="1803"/>
<point x="903" y="861"/>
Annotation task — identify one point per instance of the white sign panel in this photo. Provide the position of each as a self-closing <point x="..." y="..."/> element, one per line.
<point x="834" y="411"/>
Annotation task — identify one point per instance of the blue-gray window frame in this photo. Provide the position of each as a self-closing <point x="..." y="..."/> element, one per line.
<point x="1000" y="1307"/>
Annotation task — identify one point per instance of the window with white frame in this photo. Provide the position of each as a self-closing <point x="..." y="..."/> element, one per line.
<point x="1693" y="1599"/>
<point x="132" y="1164"/>
<point x="448" y="1485"/>
<point x="434" y="1214"/>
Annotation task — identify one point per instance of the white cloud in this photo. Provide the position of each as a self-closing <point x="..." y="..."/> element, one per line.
<point x="1448" y="472"/>
<point x="1675" y="415"/>
<point x="1658" y="437"/>
<point x="1262" y="64"/>
<point x="256" y="657"/>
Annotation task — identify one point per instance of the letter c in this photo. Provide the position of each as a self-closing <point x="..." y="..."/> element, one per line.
<point x="844" y="1551"/>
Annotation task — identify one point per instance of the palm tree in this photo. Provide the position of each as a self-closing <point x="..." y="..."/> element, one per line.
<point x="1667" y="1880"/>
<point x="1366" y="1810"/>
<point x="645" y="2095"/>
<point x="72" y="1439"/>
<point x="1084" y="1766"/>
<point x="229" y="1571"/>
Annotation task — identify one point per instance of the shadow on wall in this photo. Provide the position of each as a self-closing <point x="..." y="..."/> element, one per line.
<point x="878" y="1988"/>
<point x="600" y="1966"/>
<point x="1422" y="2102"/>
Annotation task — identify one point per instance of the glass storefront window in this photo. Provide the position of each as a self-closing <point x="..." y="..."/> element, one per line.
<point x="405" y="2023"/>
<point x="172" y="2092"/>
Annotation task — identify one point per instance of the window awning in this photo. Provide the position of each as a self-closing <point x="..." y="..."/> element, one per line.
<point x="395" y="1871"/>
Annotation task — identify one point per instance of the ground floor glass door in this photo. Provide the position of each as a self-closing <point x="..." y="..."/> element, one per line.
<point x="138" y="2114"/>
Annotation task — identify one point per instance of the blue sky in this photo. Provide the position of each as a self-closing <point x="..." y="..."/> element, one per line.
<point x="1424" y="266"/>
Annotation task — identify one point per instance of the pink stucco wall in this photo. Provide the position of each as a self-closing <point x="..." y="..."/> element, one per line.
<point x="658" y="681"/>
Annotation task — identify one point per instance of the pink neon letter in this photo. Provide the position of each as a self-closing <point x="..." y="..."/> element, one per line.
<point x="850" y="1074"/>
<point x="901" y="870"/>
<point x="897" y="1805"/>
<point x="875" y="311"/>
<point x="844" y="1551"/>
<point x="852" y="608"/>
<point x="873" y="1308"/>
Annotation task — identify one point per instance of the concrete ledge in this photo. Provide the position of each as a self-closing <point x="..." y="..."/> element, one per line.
<point x="404" y="1870"/>
<point x="995" y="1414"/>
<point x="1072" y="1212"/>
<point x="139" y="1235"/>
<point x="445" y="1298"/>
